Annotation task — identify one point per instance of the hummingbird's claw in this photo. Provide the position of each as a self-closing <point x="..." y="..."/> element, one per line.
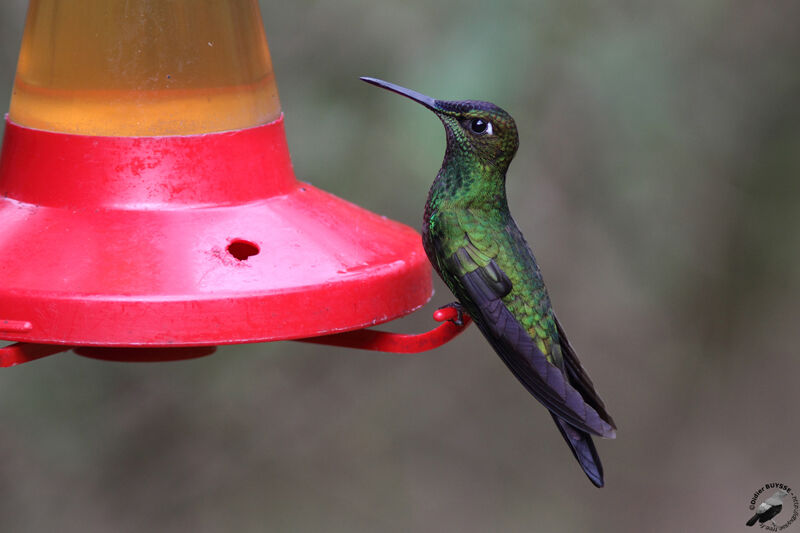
<point x="442" y="313"/>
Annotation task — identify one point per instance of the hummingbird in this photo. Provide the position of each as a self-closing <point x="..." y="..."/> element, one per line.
<point x="479" y="252"/>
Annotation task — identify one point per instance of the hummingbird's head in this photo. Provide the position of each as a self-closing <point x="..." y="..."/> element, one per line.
<point x="474" y="129"/>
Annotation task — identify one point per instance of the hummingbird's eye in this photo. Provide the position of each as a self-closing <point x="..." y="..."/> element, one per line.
<point x="480" y="126"/>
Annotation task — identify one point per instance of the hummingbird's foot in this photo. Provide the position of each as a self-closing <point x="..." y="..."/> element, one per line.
<point x="459" y="309"/>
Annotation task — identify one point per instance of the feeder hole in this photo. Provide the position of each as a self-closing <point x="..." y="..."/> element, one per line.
<point x="241" y="249"/>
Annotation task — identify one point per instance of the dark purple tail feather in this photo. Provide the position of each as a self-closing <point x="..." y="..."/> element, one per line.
<point x="583" y="449"/>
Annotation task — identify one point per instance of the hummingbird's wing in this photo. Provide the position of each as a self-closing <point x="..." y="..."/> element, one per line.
<point x="579" y="378"/>
<point x="480" y="284"/>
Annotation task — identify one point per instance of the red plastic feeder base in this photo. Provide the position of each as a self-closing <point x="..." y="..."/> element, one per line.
<point x="188" y="241"/>
<point x="364" y="339"/>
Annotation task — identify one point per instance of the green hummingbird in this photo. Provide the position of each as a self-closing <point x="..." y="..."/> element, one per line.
<point x="475" y="246"/>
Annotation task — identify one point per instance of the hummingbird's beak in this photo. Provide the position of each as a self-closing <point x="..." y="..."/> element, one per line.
<point x="427" y="101"/>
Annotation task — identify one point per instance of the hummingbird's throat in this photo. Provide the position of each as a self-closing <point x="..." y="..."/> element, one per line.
<point x="468" y="182"/>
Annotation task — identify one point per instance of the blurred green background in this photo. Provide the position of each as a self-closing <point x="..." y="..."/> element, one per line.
<point x="657" y="181"/>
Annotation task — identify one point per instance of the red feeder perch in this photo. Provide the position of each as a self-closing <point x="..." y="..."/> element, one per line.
<point x="148" y="206"/>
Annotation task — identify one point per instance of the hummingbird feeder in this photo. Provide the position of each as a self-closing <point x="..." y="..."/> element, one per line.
<point x="148" y="206"/>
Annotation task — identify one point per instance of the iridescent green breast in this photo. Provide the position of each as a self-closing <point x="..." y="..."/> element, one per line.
<point x="496" y="237"/>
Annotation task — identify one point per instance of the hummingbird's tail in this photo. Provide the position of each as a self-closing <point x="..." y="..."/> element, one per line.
<point x="583" y="449"/>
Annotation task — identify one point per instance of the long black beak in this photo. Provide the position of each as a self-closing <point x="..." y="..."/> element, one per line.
<point x="427" y="101"/>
